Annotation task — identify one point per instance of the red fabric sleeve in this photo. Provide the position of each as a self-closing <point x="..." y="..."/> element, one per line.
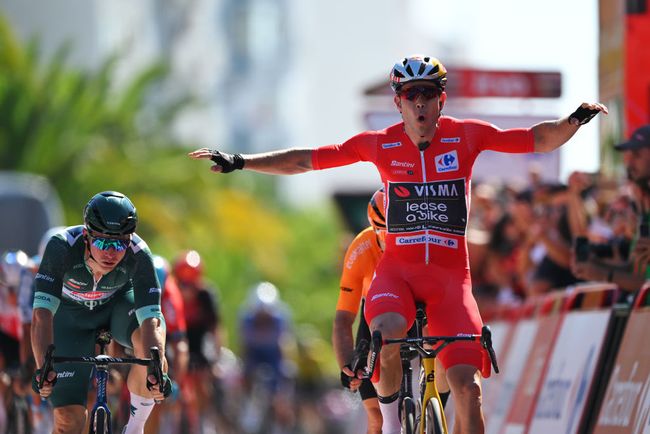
<point x="488" y="137"/>
<point x="361" y="147"/>
<point x="173" y="307"/>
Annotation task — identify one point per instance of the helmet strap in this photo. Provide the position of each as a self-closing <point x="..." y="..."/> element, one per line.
<point x="89" y="250"/>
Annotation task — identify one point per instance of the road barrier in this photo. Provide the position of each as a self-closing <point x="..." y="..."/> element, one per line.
<point x="625" y="407"/>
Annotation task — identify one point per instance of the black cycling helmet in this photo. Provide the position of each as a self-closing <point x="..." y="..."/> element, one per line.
<point x="418" y="68"/>
<point x="110" y="213"/>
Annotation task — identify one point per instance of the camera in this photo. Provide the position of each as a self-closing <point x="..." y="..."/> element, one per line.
<point x="581" y="248"/>
<point x="615" y="247"/>
<point x="644" y="229"/>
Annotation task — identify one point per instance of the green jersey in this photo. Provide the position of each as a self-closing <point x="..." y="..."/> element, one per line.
<point x="64" y="277"/>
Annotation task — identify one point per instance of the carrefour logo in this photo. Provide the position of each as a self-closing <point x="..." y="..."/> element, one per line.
<point x="447" y="162"/>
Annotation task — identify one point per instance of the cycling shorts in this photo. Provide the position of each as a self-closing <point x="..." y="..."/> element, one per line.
<point x="75" y="328"/>
<point x="450" y="306"/>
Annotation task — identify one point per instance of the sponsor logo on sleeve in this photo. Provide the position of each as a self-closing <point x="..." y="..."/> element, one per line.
<point x="447" y="162"/>
<point x="358" y="251"/>
<point x="391" y="145"/>
<point x="154" y="290"/>
<point x="45" y="277"/>
<point x="43" y="297"/>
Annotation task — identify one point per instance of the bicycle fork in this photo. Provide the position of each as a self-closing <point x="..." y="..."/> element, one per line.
<point x="100" y="417"/>
<point x="430" y="392"/>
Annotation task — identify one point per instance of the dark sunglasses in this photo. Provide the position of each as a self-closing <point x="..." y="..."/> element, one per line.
<point x="426" y="91"/>
<point x="102" y="243"/>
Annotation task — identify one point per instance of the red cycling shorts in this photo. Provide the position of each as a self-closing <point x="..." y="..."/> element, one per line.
<point x="451" y="307"/>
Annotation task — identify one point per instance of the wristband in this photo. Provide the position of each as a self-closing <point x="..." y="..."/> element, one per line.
<point x="583" y="115"/>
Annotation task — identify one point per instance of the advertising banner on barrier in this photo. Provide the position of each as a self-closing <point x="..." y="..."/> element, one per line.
<point x="499" y="395"/>
<point x="573" y="362"/>
<point x="626" y="406"/>
<point x="524" y="397"/>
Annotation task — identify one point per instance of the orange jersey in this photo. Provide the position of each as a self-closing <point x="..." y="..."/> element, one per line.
<point x="359" y="265"/>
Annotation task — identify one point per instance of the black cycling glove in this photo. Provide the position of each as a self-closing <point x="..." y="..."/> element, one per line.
<point x="583" y="115"/>
<point x="35" y="377"/>
<point x="227" y="162"/>
<point x="345" y="379"/>
<point x="166" y="385"/>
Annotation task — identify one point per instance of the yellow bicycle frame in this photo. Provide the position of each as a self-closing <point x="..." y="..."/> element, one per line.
<point x="430" y="392"/>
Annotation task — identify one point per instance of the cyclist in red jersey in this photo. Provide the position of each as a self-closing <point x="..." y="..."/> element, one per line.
<point x="425" y="163"/>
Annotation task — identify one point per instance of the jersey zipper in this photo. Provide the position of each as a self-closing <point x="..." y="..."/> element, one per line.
<point x="426" y="198"/>
<point x="95" y="282"/>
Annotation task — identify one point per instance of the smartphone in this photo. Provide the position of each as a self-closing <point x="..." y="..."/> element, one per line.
<point x="581" y="249"/>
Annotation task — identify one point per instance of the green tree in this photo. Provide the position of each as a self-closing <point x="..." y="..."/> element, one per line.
<point x="85" y="136"/>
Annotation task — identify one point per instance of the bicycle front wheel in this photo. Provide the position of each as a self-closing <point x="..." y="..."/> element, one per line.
<point x="408" y="416"/>
<point x="433" y="418"/>
<point x="99" y="422"/>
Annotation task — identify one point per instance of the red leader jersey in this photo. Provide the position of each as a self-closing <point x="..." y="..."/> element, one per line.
<point x="428" y="192"/>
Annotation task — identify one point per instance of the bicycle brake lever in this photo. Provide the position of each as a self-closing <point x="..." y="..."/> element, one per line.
<point x="359" y="354"/>
<point x="486" y="342"/>
<point x="47" y="365"/>
<point x="156" y="368"/>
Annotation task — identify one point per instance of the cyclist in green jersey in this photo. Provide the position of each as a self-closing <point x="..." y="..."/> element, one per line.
<point x="99" y="275"/>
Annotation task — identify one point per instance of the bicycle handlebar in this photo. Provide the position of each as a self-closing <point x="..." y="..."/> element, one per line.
<point x="378" y="341"/>
<point x="154" y="362"/>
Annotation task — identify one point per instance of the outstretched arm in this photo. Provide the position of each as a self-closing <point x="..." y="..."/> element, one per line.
<point x="550" y="135"/>
<point x="282" y="162"/>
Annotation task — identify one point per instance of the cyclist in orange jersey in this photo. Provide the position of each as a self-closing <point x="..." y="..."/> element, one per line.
<point x="425" y="163"/>
<point x="359" y="264"/>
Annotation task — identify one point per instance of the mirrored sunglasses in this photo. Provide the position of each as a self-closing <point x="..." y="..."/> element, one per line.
<point x="426" y="91"/>
<point x="119" y="245"/>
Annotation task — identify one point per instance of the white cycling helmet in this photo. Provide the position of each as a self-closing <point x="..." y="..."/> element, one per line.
<point x="418" y="68"/>
<point x="11" y="267"/>
<point x="263" y="296"/>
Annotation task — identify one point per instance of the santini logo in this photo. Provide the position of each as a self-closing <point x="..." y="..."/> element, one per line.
<point x="383" y="294"/>
<point x="406" y="164"/>
<point x="450" y="140"/>
<point x="391" y="145"/>
<point x="447" y="162"/>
